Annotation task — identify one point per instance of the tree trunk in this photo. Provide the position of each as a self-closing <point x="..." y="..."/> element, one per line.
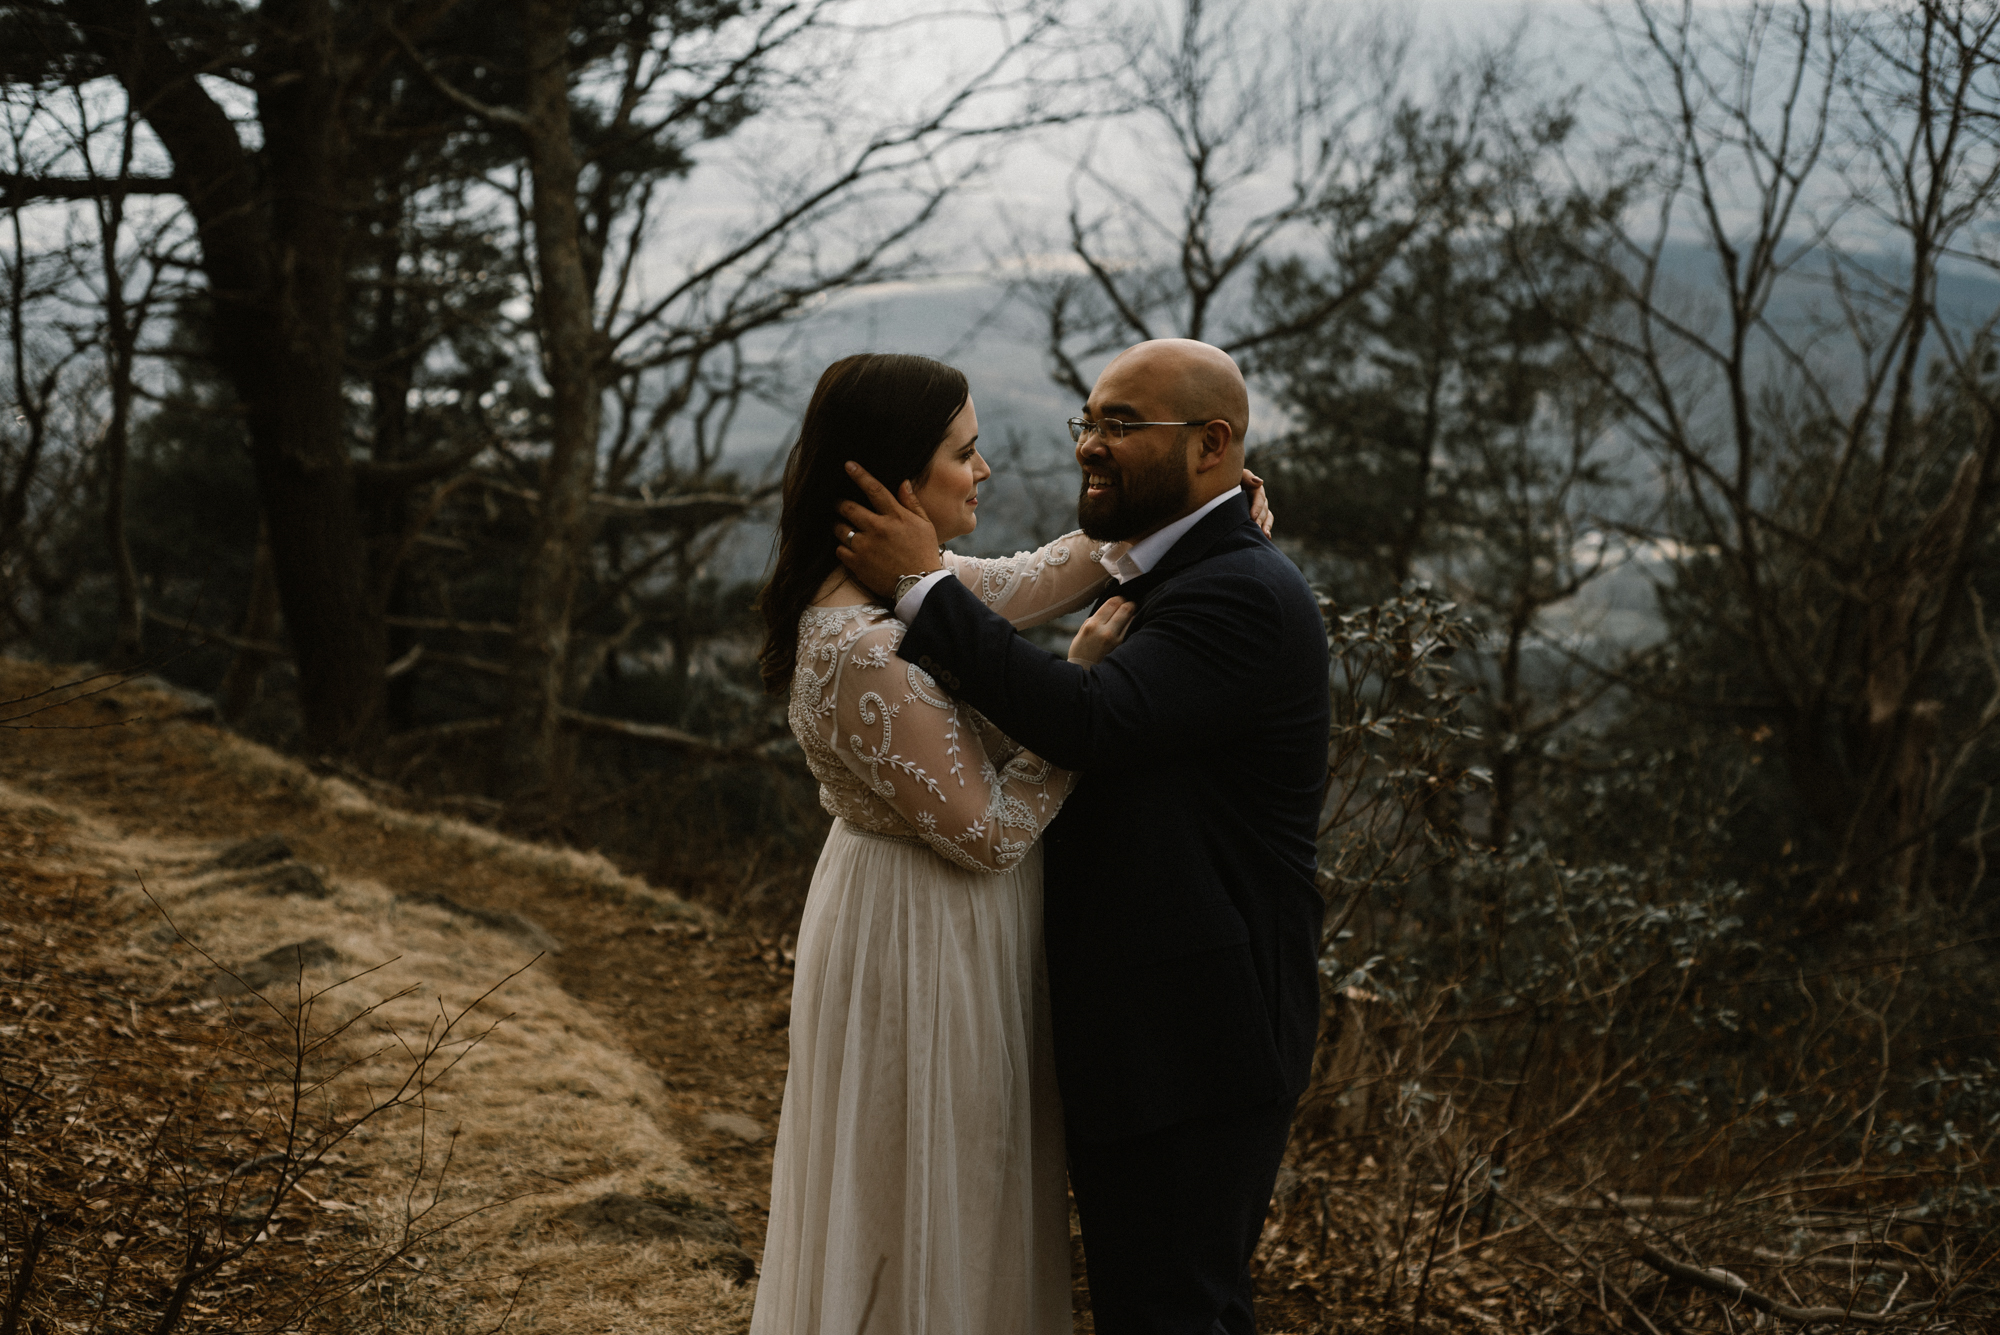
<point x="393" y="358"/>
<point x="1895" y="770"/>
<point x="128" y="648"/>
<point x="260" y="626"/>
<point x="31" y="411"/>
<point x="272" y="251"/>
<point x="296" y="419"/>
<point x="531" y="735"/>
<point x="121" y="336"/>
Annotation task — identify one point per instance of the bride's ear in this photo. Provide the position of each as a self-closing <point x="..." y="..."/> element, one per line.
<point x="907" y="494"/>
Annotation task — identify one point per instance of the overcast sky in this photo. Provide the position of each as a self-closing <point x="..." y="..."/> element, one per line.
<point x="1017" y="208"/>
<point x="903" y="63"/>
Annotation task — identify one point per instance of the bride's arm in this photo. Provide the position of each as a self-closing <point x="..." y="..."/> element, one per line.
<point x="895" y="728"/>
<point x="1029" y="588"/>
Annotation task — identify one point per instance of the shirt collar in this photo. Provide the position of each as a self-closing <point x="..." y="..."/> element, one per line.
<point x="1129" y="560"/>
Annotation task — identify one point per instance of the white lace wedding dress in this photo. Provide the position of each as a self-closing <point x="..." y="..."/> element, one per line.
<point x="919" y="1174"/>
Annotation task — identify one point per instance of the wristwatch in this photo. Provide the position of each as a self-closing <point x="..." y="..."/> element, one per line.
<point x="908" y="582"/>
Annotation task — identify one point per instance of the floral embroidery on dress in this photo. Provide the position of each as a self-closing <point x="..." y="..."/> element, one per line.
<point x="1010" y="585"/>
<point x="901" y="763"/>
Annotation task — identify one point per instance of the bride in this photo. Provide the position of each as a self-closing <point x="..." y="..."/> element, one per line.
<point x="919" y="1181"/>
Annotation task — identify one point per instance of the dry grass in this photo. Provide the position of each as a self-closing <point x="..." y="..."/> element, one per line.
<point x="1588" y="1185"/>
<point x="547" y="1109"/>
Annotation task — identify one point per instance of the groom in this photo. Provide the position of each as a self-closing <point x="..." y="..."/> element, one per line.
<point x="1181" y="920"/>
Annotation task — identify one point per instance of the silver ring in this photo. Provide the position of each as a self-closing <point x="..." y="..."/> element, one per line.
<point x="849" y="537"/>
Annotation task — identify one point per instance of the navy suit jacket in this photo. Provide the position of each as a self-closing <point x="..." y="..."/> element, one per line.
<point x="1181" y="918"/>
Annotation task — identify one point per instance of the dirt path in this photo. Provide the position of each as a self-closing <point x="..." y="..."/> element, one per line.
<point x="707" y="1011"/>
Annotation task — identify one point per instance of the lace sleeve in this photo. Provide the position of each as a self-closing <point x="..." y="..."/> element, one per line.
<point x="1029" y="588"/>
<point x="907" y="740"/>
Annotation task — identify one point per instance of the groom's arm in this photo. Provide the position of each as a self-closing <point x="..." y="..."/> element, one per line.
<point x="1184" y="680"/>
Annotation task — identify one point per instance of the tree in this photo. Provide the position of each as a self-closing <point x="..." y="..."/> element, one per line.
<point x="536" y="156"/>
<point x="1274" y="136"/>
<point x="588" y="181"/>
<point x="1830" y="513"/>
<point x="44" y="459"/>
<point x="1439" y="428"/>
<point x="124" y="320"/>
<point x="267" y="207"/>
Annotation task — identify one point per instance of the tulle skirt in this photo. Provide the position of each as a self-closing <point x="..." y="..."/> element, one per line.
<point x="919" y="1172"/>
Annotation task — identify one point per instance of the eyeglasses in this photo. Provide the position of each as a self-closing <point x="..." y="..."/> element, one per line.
<point x="1113" y="429"/>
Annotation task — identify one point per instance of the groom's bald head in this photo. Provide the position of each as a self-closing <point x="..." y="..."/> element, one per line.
<point x="1197" y="382"/>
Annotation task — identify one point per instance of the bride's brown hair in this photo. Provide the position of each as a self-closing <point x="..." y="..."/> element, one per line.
<point x="887" y="412"/>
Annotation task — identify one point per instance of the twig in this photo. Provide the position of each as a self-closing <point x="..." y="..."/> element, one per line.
<point x="1835" y="1262"/>
<point x="1577" y="1257"/>
<point x="11" y="1318"/>
<point x="446" y="623"/>
<point x="1421" y="1304"/>
<point x="576" y="720"/>
<point x="1486" y="1241"/>
<point x="13" y="720"/>
<point x="221" y="637"/>
<point x="1732" y="1287"/>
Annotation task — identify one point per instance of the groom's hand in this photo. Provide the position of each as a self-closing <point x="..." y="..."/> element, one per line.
<point x="882" y="545"/>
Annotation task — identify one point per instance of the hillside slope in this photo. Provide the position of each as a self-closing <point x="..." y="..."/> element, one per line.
<point x="636" y="1049"/>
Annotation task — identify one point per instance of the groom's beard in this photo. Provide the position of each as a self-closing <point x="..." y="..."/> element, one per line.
<point x="1138" y="501"/>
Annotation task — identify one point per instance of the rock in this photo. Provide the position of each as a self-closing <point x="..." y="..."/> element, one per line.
<point x="621" y="1217"/>
<point x="734" y="1262"/>
<point x="188" y="704"/>
<point x="250" y="1210"/>
<point x="746" y="1129"/>
<point x="513" y="924"/>
<point x="267" y="862"/>
<point x="261" y="851"/>
<point x="294" y="878"/>
<point x="284" y="964"/>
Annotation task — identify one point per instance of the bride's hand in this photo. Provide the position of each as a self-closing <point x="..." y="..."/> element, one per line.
<point x="1104" y="632"/>
<point x="1260" y="508"/>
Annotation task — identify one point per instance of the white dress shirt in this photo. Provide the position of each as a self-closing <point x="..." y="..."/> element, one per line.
<point x="1125" y="560"/>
